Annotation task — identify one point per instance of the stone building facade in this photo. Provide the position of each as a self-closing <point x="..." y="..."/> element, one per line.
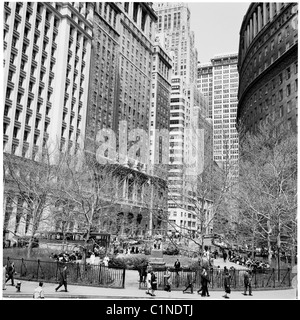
<point x="268" y="67"/>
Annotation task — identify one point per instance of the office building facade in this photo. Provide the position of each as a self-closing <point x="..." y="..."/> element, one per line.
<point x="47" y="48"/>
<point x="268" y="67"/>
<point x="219" y="79"/>
<point x="99" y="56"/>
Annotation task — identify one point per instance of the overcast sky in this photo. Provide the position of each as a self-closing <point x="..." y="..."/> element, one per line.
<point x="216" y="26"/>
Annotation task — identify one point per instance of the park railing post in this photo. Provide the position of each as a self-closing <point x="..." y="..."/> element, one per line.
<point x="274" y="277"/>
<point x="37" y="273"/>
<point x="123" y="280"/>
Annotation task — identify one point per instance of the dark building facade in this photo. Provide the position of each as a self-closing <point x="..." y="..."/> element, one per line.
<point x="268" y="67"/>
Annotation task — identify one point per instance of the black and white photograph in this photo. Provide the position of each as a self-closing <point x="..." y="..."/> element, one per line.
<point x="149" y="153"/>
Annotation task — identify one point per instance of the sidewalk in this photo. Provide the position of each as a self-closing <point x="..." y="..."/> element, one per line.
<point x="132" y="291"/>
<point x="85" y="292"/>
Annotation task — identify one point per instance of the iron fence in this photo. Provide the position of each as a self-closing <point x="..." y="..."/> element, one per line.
<point x="271" y="278"/>
<point x="80" y="274"/>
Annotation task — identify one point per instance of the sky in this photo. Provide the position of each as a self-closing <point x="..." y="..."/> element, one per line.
<point x="216" y="26"/>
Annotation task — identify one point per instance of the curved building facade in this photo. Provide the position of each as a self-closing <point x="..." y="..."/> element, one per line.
<point x="268" y="67"/>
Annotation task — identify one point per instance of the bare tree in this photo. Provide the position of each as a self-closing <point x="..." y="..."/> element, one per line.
<point x="93" y="190"/>
<point x="34" y="185"/>
<point x="267" y="186"/>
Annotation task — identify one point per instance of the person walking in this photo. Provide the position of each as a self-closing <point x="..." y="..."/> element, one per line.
<point x="204" y="284"/>
<point x="153" y="283"/>
<point x="177" y="269"/>
<point x="63" y="279"/>
<point x="177" y="266"/>
<point x="224" y="255"/>
<point x="39" y="292"/>
<point x="4" y="277"/>
<point x="189" y="283"/>
<point x="148" y="280"/>
<point x="226" y="283"/>
<point x="247" y="282"/>
<point x="11" y="272"/>
<point x="168" y="280"/>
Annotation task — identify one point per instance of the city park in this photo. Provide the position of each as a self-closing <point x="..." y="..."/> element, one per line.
<point x="263" y="241"/>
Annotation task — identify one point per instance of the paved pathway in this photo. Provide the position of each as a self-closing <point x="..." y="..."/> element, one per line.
<point x="85" y="292"/>
<point x="132" y="291"/>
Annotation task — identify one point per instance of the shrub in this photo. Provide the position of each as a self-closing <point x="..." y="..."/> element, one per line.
<point x="171" y="250"/>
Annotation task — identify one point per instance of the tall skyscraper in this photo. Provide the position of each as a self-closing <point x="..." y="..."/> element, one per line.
<point x="220" y="77"/>
<point x="47" y="48"/>
<point x="174" y="25"/>
<point x="160" y="110"/>
<point x="204" y="83"/>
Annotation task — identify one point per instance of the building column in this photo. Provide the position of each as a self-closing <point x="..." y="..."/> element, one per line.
<point x="264" y="13"/>
<point x="139" y="17"/>
<point x="254" y="24"/>
<point x="248" y="36"/>
<point x="277" y="7"/>
<point x="271" y="5"/>
<point x="259" y="18"/>
<point x="251" y="30"/>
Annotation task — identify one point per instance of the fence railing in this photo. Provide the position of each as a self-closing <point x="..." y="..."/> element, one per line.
<point x="80" y="274"/>
<point x="270" y="278"/>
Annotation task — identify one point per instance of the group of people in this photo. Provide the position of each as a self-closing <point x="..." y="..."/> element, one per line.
<point x="253" y="264"/>
<point x="66" y="257"/>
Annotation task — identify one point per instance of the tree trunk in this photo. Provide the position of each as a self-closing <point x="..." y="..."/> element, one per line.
<point x="269" y="243"/>
<point x="278" y="253"/>
<point x="253" y="243"/>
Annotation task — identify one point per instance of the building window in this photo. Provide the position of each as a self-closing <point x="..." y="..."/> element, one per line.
<point x="280" y="95"/>
<point x="288" y="90"/>
<point x="289" y="106"/>
<point x="281" y="111"/>
<point x="288" y="73"/>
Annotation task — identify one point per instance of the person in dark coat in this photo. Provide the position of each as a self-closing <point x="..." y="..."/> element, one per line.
<point x="63" y="279"/>
<point x="247" y="282"/>
<point x="153" y="283"/>
<point x="11" y="272"/>
<point x="224" y="255"/>
<point x="189" y="283"/>
<point x="226" y="283"/>
<point x="177" y="266"/>
<point x="204" y="283"/>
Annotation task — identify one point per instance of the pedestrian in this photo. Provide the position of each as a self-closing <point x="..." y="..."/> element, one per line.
<point x="143" y="273"/>
<point x="63" y="279"/>
<point x="218" y="276"/>
<point x="168" y="280"/>
<point x="148" y="280"/>
<point x="4" y="277"/>
<point x="11" y="271"/>
<point x="204" y="283"/>
<point x="153" y="283"/>
<point x="177" y="266"/>
<point x="226" y="283"/>
<point x="247" y="282"/>
<point x="39" y="292"/>
<point x="224" y="255"/>
<point x="189" y="283"/>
